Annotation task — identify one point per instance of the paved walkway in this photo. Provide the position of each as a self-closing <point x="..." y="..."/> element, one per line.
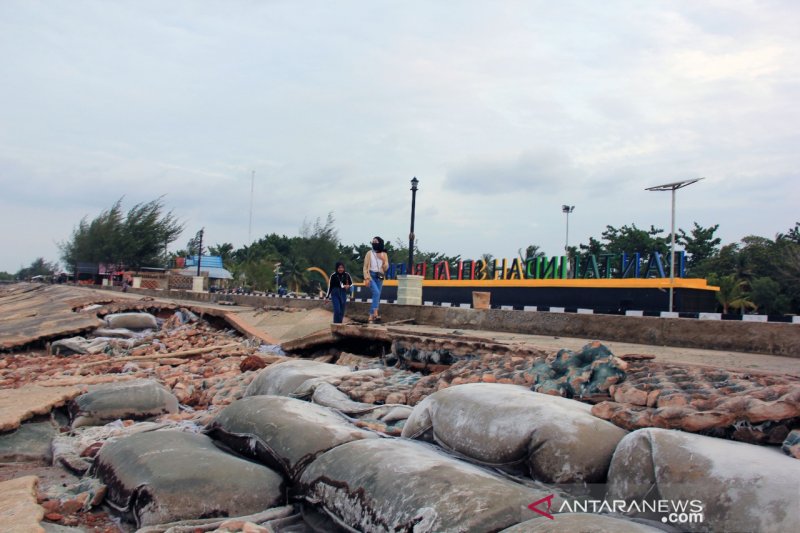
<point x="723" y="359"/>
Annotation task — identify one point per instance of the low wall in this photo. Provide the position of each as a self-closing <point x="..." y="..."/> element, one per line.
<point x="755" y="337"/>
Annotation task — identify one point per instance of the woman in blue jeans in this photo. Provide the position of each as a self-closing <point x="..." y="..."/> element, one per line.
<point x="376" y="263"/>
<point x="338" y="289"/>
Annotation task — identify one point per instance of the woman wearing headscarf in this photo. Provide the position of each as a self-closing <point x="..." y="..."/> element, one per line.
<point x="338" y="288"/>
<point x="376" y="263"/>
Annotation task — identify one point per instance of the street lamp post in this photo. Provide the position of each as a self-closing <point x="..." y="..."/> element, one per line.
<point x="567" y="209"/>
<point x="414" y="183"/>
<point x="672" y="187"/>
<point x="199" y="249"/>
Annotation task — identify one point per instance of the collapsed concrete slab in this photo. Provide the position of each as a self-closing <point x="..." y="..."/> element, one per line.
<point x="552" y="439"/>
<point x="19" y="512"/>
<point x="39" y="312"/>
<point x="25" y="402"/>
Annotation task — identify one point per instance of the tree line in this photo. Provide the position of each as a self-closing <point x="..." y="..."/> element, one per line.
<point x="756" y="273"/>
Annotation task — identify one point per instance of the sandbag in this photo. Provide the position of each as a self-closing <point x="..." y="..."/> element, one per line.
<point x="583" y="523"/>
<point x="402" y="485"/>
<point x="282" y="379"/>
<point x="164" y="476"/>
<point x="137" y="400"/>
<point x="552" y="439"/>
<point x="131" y="321"/>
<point x="743" y="487"/>
<point x="283" y="433"/>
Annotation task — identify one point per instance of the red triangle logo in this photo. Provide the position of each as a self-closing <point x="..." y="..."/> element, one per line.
<point x="534" y="506"/>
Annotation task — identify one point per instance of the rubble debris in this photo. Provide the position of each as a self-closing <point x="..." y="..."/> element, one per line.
<point x="67" y="499"/>
<point x="747" y="407"/>
<point x="25" y="402"/>
<point x="283" y="433"/>
<point x="150" y="474"/>
<point x="19" y="512"/>
<point x="135" y="400"/>
<point x="552" y="439"/>
<point x="400" y="485"/>
<point x="595" y="523"/>
<point x="282" y="379"/>
<point x="729" y="478"/>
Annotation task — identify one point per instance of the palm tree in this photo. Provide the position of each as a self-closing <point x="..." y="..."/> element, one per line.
<point x="293" y="273"/>
<point x="732" y="293"/>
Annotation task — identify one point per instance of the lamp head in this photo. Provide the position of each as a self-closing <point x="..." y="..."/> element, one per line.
<point x="414" y="182"/>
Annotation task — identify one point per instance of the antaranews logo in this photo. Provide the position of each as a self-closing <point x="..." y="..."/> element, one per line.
<point x="670" y="511"/>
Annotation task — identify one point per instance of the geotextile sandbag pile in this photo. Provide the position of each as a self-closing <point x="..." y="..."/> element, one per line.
<point x="136" y="400"/>
<point x="402" y="485"/>
<point x="282" y="379"/>
<point x="746" y="407"/>
<point x="163" y="476"/>
<point x="549" y="438"/>
<point x="283" y="433"/>
<point x="741" y="487"/>
<point x="131" y="321"/>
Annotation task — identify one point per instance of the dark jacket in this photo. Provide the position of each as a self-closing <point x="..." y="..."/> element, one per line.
<point x="337" y="281"/>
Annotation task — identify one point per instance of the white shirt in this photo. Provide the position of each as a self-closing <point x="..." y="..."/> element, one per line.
<point x="375" y="262"/>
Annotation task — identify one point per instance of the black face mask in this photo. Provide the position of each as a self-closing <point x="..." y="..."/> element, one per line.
<point x="376" y="246"/>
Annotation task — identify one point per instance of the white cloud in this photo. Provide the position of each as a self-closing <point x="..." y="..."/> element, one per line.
<point x="504" y="111"/>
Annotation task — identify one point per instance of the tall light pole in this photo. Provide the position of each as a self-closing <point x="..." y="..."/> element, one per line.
<point x="411" y="236"/>
<point x="250" y="226"/>
<point x="672" y="187"/>
<point x="199" y="238"/>
<point x="567" y="209"/>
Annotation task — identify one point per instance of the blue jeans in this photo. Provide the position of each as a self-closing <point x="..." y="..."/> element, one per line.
<point x="339" y="299"/>
<point x="375" y="285"/>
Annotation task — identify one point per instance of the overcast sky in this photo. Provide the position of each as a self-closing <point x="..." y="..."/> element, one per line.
<point x="503" y="110"/>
